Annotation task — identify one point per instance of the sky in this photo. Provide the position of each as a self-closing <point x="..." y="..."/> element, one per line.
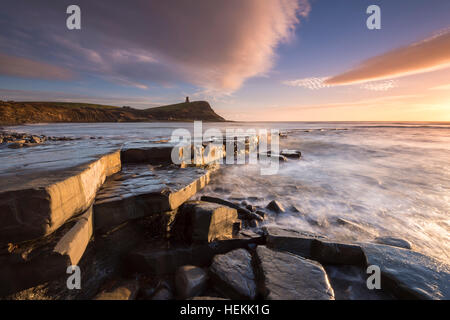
<point x="253" y="60"/>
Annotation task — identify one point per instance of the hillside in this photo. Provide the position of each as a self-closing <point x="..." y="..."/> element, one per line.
<point x="13" y="113"/>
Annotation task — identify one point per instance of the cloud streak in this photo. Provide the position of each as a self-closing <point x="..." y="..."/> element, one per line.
<point x="379" y="85"/>
<point x="309" y="83"/>
<point x="321" y="83"/>
<point x="427" y="55"/>
<point x="28" y="68"/>
<point x="441" y="87"/>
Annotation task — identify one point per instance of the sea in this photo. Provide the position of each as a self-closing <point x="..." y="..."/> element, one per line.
<point x="380" y="178"/>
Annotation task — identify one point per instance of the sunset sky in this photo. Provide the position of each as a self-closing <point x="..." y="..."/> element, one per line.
<point x="271" y="60"/>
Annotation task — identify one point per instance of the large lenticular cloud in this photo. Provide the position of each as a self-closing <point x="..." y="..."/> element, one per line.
<point x="212" y="43"/>
<point x="430" y="54"/>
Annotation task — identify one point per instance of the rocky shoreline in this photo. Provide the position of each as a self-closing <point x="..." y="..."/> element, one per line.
<point x="15" y="140"/>
<point x="131" y="221"/>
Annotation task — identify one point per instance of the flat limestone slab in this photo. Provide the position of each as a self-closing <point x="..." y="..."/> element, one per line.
<point x="154" y="153"/>
<point x="142" y="190"/>
<point x="33" y="205"/>
<point x="167" y="153"/>
<point x="289" y="277"/>
<point x="42" y="260"/>
<point x="409" y="274"/>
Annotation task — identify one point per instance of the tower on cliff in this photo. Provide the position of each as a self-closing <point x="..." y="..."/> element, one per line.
<point x="187" y="99"/>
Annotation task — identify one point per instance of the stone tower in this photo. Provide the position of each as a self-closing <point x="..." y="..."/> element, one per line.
<point x="187" y="99"/>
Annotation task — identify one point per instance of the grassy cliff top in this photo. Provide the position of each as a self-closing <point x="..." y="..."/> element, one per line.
<point x="13" y="113"/>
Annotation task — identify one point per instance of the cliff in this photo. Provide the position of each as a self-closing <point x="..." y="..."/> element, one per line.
<point x="13" y="113"/>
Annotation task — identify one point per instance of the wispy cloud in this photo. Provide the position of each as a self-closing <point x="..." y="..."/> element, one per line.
<point x="379" y="85"/>
<point x="309" y="83"/>
<point x="28" y="68"/>
<point x="441" y="87"/>
<point x="320" y="83"/>
<point x="427" y="55"/>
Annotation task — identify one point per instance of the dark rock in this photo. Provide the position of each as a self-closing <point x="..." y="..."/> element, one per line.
<point x="337" y="253"/>
<point x="351" y="225"/>
<point x="220" y="201"/>
<point x="292" y="241"/>
<point x="409" y="274"/>
<point x="100" y="262"/>
<point x="243" y="213"/>
<point x="36" y="139"/>
<point x="42" y="260"/>
<point x="15" y="145"/>
<point x="313" y="246"/>
<point x="149" y="286"/>
<point x="285" y="276"/>
<point x="163" y="294"/>
<point x="275" y="206"/>
<point x="252" y="223"/>
<point x="349" y="283"/>
<point x="237" y="226"/>
<point x="261" y="213"/>
<point x="29" y="144"/>
<point x="251" y="216"/>
<point x="137" y="191"/>
<point x="206" y="222"/>
<point x="103" y="256"/>
<point x="270" y="156"/>
<point x="291" y="154"/>
<point x="169" y="153"/>
<point x="316" y="222"/>
<point x="156" y="155"/>
<point x="208" y="298"/>
<point x="190" y="281"/>
<point x="232" y="273"/>
<point x="123" y="290"/>
<point x="153" y="260"/>
<point x="395" y="242"/>
<point x="250" y="208"/>
<point x="51" y="198"/>
<point x="158" y="261"/>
